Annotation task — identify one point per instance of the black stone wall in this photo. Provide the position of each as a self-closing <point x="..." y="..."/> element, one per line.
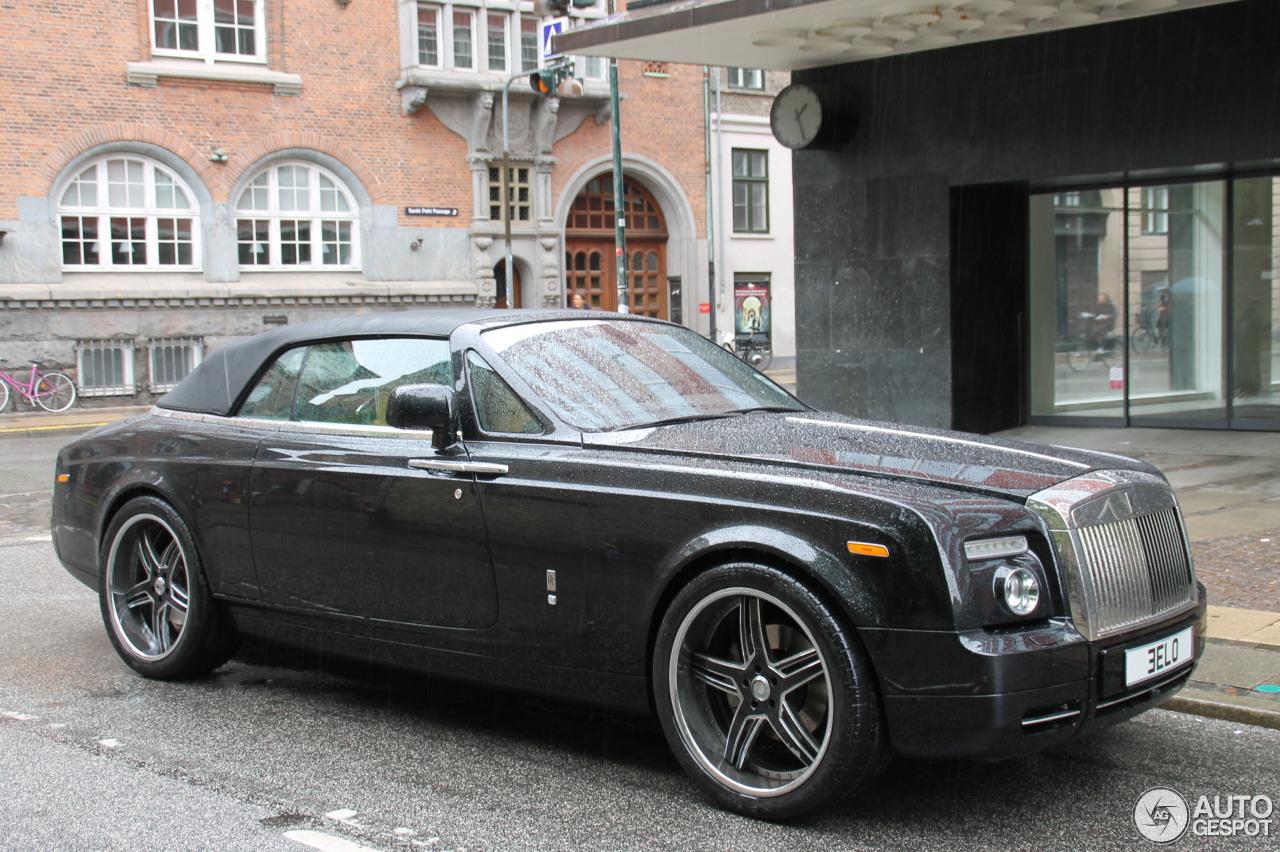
<point x="911" y="241"/>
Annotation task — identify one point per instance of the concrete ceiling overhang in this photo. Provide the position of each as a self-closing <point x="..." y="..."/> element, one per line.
<point x="790" y="35"/>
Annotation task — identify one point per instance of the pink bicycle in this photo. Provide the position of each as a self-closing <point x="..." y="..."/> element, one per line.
<point x="50" y="391"/>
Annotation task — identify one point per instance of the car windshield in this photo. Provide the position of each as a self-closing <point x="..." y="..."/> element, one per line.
<point x="602" y="375"/>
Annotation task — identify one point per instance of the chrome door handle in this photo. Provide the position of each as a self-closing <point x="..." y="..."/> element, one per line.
<point x="478" y="468"/>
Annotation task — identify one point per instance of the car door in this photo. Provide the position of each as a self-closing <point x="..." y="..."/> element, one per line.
<point x="351" y="517"/>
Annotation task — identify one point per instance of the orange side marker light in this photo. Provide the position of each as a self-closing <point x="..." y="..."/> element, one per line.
<point x="862" y="548"/>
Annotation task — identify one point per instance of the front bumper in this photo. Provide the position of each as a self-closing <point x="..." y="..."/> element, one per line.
<point x="995" y="695"/>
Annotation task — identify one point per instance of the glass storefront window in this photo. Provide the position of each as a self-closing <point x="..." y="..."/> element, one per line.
<point x="1255" y="315"/>
<point x="1127" y="304"/>
<point x="1077" y="296"/>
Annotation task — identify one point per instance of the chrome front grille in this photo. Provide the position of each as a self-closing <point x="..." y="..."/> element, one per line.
<point x="1138" y="569"/>
<point x="1122" y="549"/>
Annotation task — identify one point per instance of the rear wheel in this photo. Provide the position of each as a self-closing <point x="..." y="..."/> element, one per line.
<point x="4" y="394"/>
<point x="155" y="600"/>
<point x="55" y="392"/>
<point x="757" y="356"/>
<point x="766" y="698"/>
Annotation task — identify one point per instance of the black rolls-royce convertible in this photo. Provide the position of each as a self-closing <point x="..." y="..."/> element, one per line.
<point x="614" y="510"/>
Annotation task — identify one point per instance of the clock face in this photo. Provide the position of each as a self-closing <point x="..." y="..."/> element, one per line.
<point x="796" y="116"/>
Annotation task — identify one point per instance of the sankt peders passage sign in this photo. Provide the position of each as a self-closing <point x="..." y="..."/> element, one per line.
<point x="431" y="211"/>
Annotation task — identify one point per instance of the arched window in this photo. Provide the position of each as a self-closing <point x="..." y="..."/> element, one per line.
<point x="296" y="215"/>
<point x="128" y="212"/>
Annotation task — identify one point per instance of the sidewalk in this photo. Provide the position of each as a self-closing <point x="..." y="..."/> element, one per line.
<point x="1229" y="487"/>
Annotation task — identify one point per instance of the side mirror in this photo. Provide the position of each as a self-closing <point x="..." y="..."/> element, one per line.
<point x="424" y="407"/>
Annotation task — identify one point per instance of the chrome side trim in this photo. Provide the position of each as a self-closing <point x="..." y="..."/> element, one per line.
<point x="1050" y="717"/>
<point x="1144" y="689"/>
<point x="478" y="468"/>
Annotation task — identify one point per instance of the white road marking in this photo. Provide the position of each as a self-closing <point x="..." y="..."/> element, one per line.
<point x="325" y="842"/>
<point x="17" y="717"/>
<point x="109" y="742"/>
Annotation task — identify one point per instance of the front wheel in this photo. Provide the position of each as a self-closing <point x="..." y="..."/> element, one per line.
<point x="55" y="392"/>
<point x="156" y="603"/>
<point x="4" y="394"/>
<point x="765" y="697"/>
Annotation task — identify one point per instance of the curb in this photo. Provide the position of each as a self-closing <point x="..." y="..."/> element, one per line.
<point x="51" y="429"/>
<point x="29" y="425"/>
<point x="1213" y="705"/>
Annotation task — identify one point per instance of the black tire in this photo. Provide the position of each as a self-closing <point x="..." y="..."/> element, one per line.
<point x="779" y="731"/>
<point x="155" y="599"/>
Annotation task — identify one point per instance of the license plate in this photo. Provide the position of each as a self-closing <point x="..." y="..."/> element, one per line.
<point x="1156" y="658"/>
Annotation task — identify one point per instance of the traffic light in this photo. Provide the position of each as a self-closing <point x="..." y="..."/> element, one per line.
<point x="545" y="80"/>
<point x="555" y="80"/>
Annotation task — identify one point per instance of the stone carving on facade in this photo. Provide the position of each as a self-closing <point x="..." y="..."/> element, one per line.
<point x="549" y="264"/>
<point x="486" y="281"/>
<point x="481" y="121"/>
<point x="412" y="98"/>
<point x="544" y="115"/>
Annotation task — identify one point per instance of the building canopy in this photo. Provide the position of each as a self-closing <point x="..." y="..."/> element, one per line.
<point x="791" y="35"/>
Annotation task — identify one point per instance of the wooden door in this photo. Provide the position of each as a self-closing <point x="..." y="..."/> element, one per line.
<point x="590" y="266"/>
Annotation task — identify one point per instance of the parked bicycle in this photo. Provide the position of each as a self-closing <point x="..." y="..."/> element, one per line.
<point x="754" y="349"/>
<point x="52" y="391"/>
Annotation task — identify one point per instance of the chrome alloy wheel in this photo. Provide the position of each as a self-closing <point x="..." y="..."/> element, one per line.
<point x="750" y="692"/>
<point x="148" y="587"/>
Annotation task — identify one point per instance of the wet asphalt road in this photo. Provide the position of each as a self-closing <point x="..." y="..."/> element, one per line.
<point x="276" y="752"/>
<point x="93" y="757"/>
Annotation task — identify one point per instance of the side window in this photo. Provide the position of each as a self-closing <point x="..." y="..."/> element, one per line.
<point x="348" y="381"/>
<point x="272" y="397"/>
<point x="497" y="407"/>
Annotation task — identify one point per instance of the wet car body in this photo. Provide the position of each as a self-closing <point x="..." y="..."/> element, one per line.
<point x="552" y="562"/>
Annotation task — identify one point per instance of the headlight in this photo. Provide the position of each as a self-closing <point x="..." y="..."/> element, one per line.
<point x="995" y="548"/>
<point x="1018" y="589"/>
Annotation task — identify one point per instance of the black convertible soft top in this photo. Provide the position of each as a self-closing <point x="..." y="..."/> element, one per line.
<point x="217" y="382"/>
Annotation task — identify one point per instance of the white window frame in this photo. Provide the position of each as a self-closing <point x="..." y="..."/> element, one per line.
<point x="517" y="13"/>
<point x="274" y="214"/>
<point x="746" y="78"/>
<point x="142" y="201"/>
<point x="1155" y="210"/>
<point x="206" y="35"/>
<point x="509" y="58"/>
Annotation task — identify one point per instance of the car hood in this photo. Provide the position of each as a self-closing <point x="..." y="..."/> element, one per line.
<point x="826" y="441"/>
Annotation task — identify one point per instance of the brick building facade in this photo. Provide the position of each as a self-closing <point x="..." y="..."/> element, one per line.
<point x="213" y="168"/>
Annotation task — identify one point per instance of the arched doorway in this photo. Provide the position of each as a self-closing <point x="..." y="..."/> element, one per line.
<point x="504" y="296"/>
<point x="590" y="268"/>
